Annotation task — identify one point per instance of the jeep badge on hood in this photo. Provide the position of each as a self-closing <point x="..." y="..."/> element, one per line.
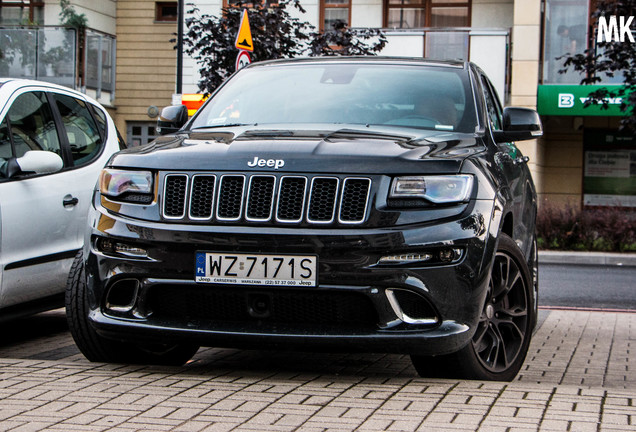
<point x="271" y="163"/>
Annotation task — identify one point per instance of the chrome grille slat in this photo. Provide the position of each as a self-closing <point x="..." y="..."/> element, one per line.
<point x="230" y="199"/>
<point x="174" y="194"/>
<point x="291" y="199"/>
<point x="353" y="204"/>
<point x="202" y="197"/>
<point x="260" y="198"/>
<point x="322" y="199"/>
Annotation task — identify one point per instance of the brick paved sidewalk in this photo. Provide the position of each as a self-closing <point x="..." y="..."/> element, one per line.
<point x="579" y="376"/>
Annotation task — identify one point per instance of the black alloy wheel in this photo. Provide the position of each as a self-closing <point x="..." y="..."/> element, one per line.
<point x="504" y="329"/>
<point x="503" y="324"/>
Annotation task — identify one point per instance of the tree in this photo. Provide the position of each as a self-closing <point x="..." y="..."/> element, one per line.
<point x="210" y="40"/>
<point x="611" y="58"/>
<point x="342" y="40"/>
<point x="69" y="17"/>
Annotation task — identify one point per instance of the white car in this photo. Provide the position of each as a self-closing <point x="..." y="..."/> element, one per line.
<point x="54" y="142"/>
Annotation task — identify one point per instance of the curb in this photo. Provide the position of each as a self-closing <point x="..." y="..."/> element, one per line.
<point x="587" y="258"/>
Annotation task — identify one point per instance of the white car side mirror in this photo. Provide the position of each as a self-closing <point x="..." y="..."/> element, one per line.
<point x="40" y="162"/>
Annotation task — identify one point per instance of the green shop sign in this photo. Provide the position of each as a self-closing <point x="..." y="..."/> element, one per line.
<point x="568" y="100"/>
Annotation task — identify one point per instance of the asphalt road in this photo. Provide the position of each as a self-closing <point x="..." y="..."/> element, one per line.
<point x="587" y="286"/>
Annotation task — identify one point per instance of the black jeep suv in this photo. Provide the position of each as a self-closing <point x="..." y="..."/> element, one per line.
<point x="374" y="204"/>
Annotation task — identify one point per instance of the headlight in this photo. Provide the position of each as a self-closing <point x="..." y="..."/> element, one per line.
<point x="128" y="186"/>
<point x="444" y="189"/>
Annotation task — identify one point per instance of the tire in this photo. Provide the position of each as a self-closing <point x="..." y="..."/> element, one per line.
<point x="507" y="320"/>
<point x="534" y="269"/>
<point x="99" y="349"/>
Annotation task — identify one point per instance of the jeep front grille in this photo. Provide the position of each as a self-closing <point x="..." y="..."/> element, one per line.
<point x="322" y="199"/>
<point x="284" y="199"/>
<point x="355" y="194"/>
<point x="231" y="188"/>
<point x="175" y="189"/>
<point x="260" y="197"/>
<point x="202" y="196"/>
<point x="291" y="199"/>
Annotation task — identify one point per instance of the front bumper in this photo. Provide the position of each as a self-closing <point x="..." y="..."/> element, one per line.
<point x="359" y="305"/>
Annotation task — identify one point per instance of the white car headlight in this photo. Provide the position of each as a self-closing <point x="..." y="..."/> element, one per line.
<point x="439" y="189"/>
<point x="126" y="185"/>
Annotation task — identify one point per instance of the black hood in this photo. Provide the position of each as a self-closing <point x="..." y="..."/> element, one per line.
<point x="344" y="150"/>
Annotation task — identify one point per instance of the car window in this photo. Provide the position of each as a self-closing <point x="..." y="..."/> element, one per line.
<point x="494" y="111"/>
<point x="120" y="141"/>
<point x="81" y="130"/>
<point x="5" y="142"/>
<point x="32" y="125"/>
<point x="100" y="117"/>
<point x="5" y="146"/>
<point x="416" y="97"/>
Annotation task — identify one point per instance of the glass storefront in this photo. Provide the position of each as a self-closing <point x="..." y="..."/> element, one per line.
<point x="566" y="32"/>
<point x="609" y="177"/>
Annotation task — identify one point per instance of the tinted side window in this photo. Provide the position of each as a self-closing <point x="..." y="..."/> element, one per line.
<point x="32" y="125"/>
<point x="5" y="146"/>
<point x="80" y="128"/>
<point x="5" y="142"/>
<point x="494" y="112"/>
<point x="101" y="120"/>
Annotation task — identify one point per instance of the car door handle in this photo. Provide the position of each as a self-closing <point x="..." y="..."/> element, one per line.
<point x="521" y="160"/>
<point x="70" y="201"/>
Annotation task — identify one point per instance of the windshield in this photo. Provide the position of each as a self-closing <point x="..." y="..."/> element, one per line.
<point x="436" y="98"/>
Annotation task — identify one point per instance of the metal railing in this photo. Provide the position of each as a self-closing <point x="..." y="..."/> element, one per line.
<point x="489" y="48"/>
<point x="52" y="54"/>
<point x="42" y="53"/>
<point x="99" y="62"/>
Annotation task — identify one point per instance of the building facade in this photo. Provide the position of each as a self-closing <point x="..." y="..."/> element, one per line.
<point x="582" y="158"/>
<point x="35" y="44"/>
<point x="585" y="159"/>
<point x="146" y="66"/>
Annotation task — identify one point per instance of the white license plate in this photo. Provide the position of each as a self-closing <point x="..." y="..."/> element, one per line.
<point x="255" y="269"/>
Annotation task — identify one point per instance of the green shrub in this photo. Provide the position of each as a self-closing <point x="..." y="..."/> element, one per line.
<point x="606" y="229"/>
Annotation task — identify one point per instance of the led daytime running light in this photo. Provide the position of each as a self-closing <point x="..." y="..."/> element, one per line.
<point x="404" y="258"/>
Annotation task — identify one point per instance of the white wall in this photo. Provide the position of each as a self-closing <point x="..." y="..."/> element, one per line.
<point x="312" y="12"/>
<point x="101" y="14"/>
<point x="190" y="67"/>
<point x="488" y="51"/>
<point x="366" y="13"/>
<point x="492" y="13"/>
<point x="488" y="48"/>
<point x="404" y="44"/>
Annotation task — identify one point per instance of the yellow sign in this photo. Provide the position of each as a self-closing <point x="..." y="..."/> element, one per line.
<point x="244" y="37"/>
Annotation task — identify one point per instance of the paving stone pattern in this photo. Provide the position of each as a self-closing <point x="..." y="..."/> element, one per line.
<point x="579" y="376"/>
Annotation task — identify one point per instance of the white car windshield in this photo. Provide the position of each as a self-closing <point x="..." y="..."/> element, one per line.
<point x="426" y="97"/>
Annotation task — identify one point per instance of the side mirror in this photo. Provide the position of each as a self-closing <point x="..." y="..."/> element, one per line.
<point x="34" y="161"/>
<point x="171" y="119"/>
<point x="519" y="124"/>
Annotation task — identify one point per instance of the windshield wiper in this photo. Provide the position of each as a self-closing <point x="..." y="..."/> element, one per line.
<point x="269" y="132"/>
<point x="223" y="125"/>
<point x="370" y="134"/>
